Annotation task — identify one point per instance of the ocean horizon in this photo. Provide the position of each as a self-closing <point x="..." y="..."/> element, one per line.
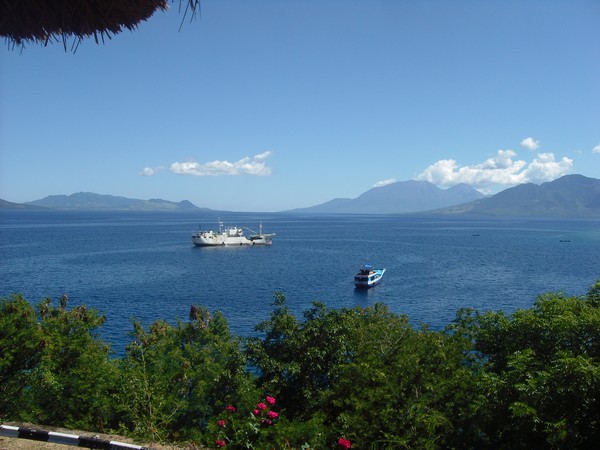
<point x="143" y="265"/>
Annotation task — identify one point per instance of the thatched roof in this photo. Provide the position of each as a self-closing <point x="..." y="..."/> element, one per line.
<point x="41" y="21"/>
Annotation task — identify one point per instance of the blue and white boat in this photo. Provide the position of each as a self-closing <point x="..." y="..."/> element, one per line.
<point x="368" y="277"/>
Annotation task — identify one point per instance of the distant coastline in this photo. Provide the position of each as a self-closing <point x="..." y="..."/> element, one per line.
<point x="88" y="201"/>
<point x="573" y="196"/>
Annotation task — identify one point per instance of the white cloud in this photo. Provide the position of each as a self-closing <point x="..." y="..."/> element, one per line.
<point x="262" y="156"/>
<point x="545" y="168"/>
<point x="384" y="182"/>
<point x="530" y="144"/>
<point x="596" y="149"/>
<point x="149" y="171"/>
<point x="245" y="166"/>
<point x="500" y="170"/>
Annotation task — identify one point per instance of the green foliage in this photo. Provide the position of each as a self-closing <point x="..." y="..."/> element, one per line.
<point x="541" y="384"/>
<point x="593" y="296"/>
<point x="176" y="378"/>
<point x="20" y="349"/>
<point x="245" y="428"/>
<point x="400" y="387"/>
<point x="296" y="360"/>
<point x="366" y="373"/>
<point x="72" y="383"/>
<point x="55" y="370"/>
<point x="490" y="380"/>
<point x="263" y="426"/>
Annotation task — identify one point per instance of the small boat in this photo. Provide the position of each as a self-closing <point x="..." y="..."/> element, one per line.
<point x="230" y="236"/>
<point x="368" y="277"/>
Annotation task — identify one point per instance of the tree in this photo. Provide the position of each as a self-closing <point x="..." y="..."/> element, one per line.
<point x="541" y="386"/>
<point x="401" y="387"/>
<point x="296" y="360"/>
<point x="20" y="350"/>
<point x="365" y="373"/>
<point x="175" y="378"/>
<point x="72" y="382"/>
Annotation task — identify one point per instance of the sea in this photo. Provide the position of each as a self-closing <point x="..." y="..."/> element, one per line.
<point x="143" y="266"/>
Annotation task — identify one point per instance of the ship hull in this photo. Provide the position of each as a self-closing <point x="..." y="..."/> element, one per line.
<point x="216" y="240"/>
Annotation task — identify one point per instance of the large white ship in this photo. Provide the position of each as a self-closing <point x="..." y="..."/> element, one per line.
<point x="231" y="236"/>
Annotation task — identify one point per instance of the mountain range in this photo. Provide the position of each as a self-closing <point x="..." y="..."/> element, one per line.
<point x="98" y="202"/>
<point x="4" y="204"/>
<point x="568" y="196"/>
<point x="400" y="197"/>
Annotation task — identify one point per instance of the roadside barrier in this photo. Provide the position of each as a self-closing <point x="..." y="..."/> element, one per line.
<point x="65" y="439"/>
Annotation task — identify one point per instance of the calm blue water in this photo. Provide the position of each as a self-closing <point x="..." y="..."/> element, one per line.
<point x="144" y="266"/>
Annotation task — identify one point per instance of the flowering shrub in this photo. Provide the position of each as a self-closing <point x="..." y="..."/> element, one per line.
<point x="344" y="443"/>
<point x="238" y="429"/>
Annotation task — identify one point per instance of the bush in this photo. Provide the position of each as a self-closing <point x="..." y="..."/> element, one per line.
<point x="297" y="360"/>
<point x="365" y="373"/>
<point x="72" y="384"/>
<point x="176" y="378"/>
<point x="541" y="384"/>
<point x="20" y="350"/>
<point x="360" y="377"/>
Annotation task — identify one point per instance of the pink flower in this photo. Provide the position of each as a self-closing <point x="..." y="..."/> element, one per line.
<point x="270" y="400"/>
<point x="230" y="408"/>
<point x="220" y="443"/>
<point x="256" y="412"/>
<point x="266" y="422"/>
<point x="261" y="405"/>
<point x="272" y="415"/>
<point x="221" y="423"/>
<point x="344" y="443"/>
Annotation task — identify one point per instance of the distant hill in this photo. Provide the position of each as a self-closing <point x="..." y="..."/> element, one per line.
<point x="400" y="197"/>
<point x="4" y="204"/>
<point x="568" y="196"/>
<point x="90" y="202"/>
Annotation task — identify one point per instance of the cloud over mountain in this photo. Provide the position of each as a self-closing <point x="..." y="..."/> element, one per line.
<point x="500" y="170"/>
<point x="384" y="182"/>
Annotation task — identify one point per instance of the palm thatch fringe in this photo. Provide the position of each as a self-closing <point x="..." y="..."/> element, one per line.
<point x="42" y="21"/>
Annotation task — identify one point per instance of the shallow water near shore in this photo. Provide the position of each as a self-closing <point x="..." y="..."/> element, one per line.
<point x="143" y="265"/>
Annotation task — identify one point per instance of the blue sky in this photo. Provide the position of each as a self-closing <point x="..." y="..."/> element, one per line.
<point x="279" y="104"/>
